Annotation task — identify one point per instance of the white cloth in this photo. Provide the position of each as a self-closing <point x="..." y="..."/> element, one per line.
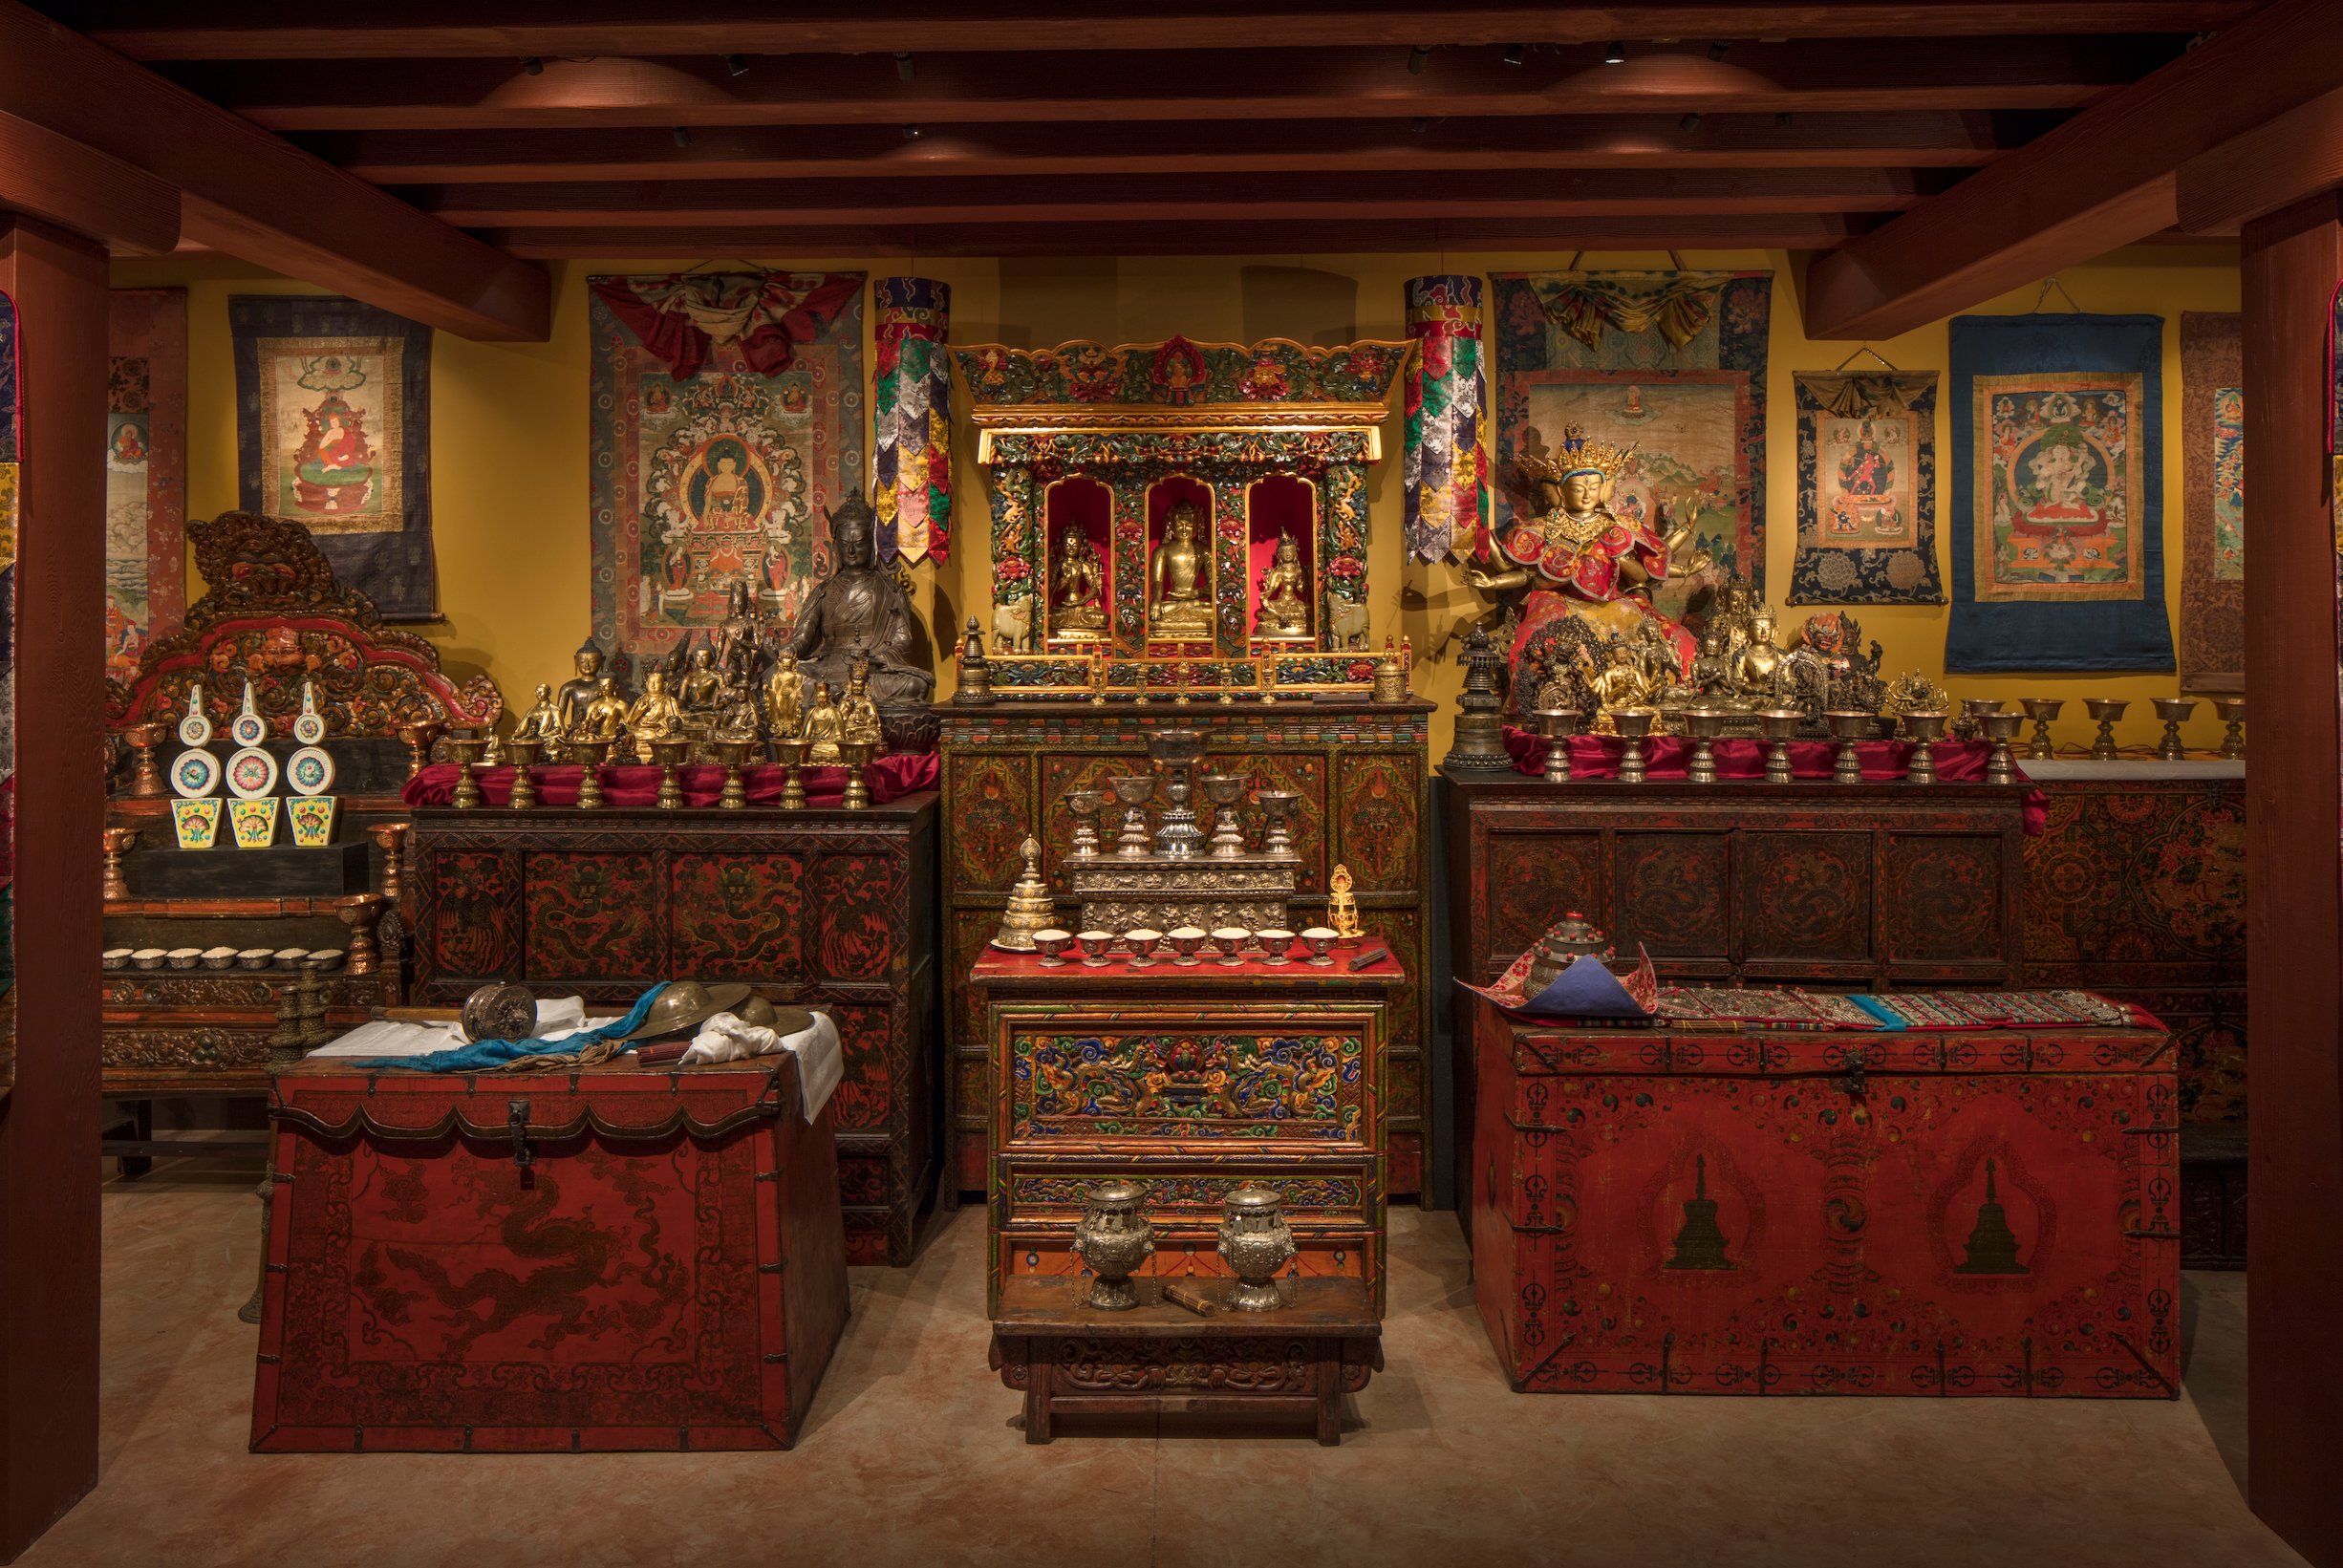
<point x="556" y="1020"/>
<point x="821" y="1057"/>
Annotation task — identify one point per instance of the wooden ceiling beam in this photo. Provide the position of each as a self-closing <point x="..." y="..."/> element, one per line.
<point x="1150" y="236"/>
<point x="2100" y="180"/>
<point x="1821" y="76"/>
<point x="1941" y="140"/>
<point x="257" y="197"/>
<point x="718" y="204"/>
<point x="60" y="181"/>
<point x="2295" y="155"/>
<point x="166" y="29"/>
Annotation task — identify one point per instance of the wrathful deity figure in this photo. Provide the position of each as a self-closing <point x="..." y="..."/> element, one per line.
<point x="1285" y="594"/>
<point x="1179" y="578"/>
<point x="1077" y="603"/>
<point x="862" y="612"/>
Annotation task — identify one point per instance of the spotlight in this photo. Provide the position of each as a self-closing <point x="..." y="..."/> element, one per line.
<point x="682" y="136"/>
<point x="736" y="65"/>
<point x="1716" y="51"/>
<point x="1516" y="53"/>
<point x="1615" y="55"/>
<point x="534" y="66"/>
<point x="910" y="133"/>
<point x="1417" y="58"/>
<point x="1691" y="122"/>
<point x="903" y="65"/>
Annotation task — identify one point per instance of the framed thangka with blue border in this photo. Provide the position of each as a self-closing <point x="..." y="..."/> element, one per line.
<point x="2059" y="504"/>
<point x="1866" y="489"/>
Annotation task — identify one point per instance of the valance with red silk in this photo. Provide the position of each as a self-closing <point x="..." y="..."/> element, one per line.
<point x="681" y="316"/>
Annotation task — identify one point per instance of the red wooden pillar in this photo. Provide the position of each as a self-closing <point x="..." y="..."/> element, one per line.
<point x="2294" y="886"/>
<point x="49" y="1165"/>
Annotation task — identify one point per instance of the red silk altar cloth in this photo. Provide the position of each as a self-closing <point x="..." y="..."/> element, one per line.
<point x="891" y="778"/>
<point x="1669" y="756"/>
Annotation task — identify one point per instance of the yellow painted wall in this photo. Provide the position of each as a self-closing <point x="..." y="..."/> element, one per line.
<point x="508" y="436"/>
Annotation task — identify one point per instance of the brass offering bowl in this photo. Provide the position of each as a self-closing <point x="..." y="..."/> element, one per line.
<point x="1633" y="725"/>
<point x="2173" y="711"/>
<point x="2041" y="710"/>
<point x="524" y="753"/>
<point x="1703" y="725"/>
<point x="2231" y="712"/>
<point x="590" y="753"/>
<point x="1779" y="726"/>
<point x="2001" y="728"/>
<point x="2106" y="710"/>
<point x="670" y="754"/>
<point x="1924" y="730"/>
<point x="1558" y="725"/>
<point x="469" y="750"/>
<point x="1847" y="727"/>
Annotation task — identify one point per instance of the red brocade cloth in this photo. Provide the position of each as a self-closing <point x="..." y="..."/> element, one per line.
<point x="771" y="312"/>
<point x="638" y="784"/>
<point x="1669" y="756"/>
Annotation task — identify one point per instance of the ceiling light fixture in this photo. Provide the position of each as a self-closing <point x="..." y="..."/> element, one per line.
<point x="736" y="65"/>
<point x="1516" y="53"/>
<point x="1417" y="58"/>
<point x="531" y="64"/>
<point x="1615" y="55"/>
<point x="903" y="65"/>
<point x="911" y="132"/>
<point x="682" y="136"/>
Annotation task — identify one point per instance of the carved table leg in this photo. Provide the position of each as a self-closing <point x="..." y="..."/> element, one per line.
<point x="250" y="1311"/>
<point x="1037" y="1398"/>
<point x="1329" y="1393"/>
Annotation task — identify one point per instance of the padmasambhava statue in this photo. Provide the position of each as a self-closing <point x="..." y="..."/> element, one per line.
<point x="1179" y="584"/>
<point x="861" y="612"/>
<point x="1578" y="556"/>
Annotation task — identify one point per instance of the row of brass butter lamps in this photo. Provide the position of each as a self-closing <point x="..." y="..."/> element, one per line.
<point x="669" y="754"/>
<point x="1779" y="726"/>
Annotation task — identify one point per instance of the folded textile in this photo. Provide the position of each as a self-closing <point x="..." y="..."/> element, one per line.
<point x="483" y="1054"/>
<point x="821" y="1057"/>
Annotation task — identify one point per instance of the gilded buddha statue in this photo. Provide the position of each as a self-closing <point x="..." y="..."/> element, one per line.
<point x="543" y="721"/>
<point x="1285" y="593"/>
<point x="862" y="612"/>
<point x="656" y="715"/>
<point x="570" y="702"/>
<point x="825" y="728"/>
<point x="784" y="696"/>
<point x="1078" y="601"/>
<point x="1179" y="580"/>
<point x="604" y="717"/>
<point x="702" y="687"/>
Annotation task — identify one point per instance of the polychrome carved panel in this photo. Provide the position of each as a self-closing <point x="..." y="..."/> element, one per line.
<point x="1528" y="882"/>
<point x="1673" y="894"/>
<point x="595" y="917"/>
<point x="1298" y="773"/>
<point x="736" y="915"/>
<point x="1062" y="773"/>
<point x="1377" y="810"/>
<point x="1806" y="895"/>
<point x="1263" y="1084"/>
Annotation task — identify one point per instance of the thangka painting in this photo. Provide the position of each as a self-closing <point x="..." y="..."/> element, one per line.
<point x="1866" y="489"/>
<point x="334" y="431"/>
<point x="2213" y="512"/>
<point x="726" y="423"/>
<point x="1672" y="364"/>
<point x="146" y="471"/>
<point x="2058" y="557"/>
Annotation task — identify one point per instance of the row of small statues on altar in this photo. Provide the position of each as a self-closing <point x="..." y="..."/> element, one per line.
<point x="1179" y="584"/>
<point x="704" y="706"/>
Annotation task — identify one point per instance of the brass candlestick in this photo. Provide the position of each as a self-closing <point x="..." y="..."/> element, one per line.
<point x="2106" y="710"/>
<point x="857" y="753"/>
<point x="359" y="911"/>
<point x="419" y="738"/>
<point x="1703" y="725"/>
<point x="1632" y="724"/>
<point x="669" y="753"/>
<point x="2172" y="710"/>
<point x="589" y="754"/>
<point x="2231" y="712"/>
<point x="1779" y="726"/>
<point x="732" y="753"/>
<point x="1847" y="727"/>
<point x="1279" y="806"/>
<point x="790" y="754"/>
<point x="523" y="753"/>
<point x="1924" y="730"/>
<point x="1558" y="726"/>
<point x="2001" y="728"/>
<point x="468" y="749"/>
<point x="117" y="841"/>
<point x="146" y="780"/>
<point x="2041" y="710"/>
<point x="1085" y="805"/>
<point x="390" y="838"/>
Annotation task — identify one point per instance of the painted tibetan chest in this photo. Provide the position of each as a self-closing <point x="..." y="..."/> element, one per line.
<point x="1922" y="1212"/>
<point x="1191" y="1081"/>
<point x="1359" y="767"/>
<point x="830" y="909"/>
<point x="607" y="1257"/>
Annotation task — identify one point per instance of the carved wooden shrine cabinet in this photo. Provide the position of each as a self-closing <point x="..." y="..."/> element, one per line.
<point x="1875" y="886"/>
<point x="826" y="908"/>
<point x="597" y="1259"/>
<point x="1357" y="766"/>
<point x="1773" y="1212"/>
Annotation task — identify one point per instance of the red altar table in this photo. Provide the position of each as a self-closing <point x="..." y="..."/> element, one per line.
<point x="608" y="1258"/>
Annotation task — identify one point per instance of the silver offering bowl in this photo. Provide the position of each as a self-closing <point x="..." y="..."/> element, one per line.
<point x="1142" y="943"/>
<point x="2173" y="711"/>
<point x="1095" y="945"/>
<point x="1847" y="727"/>
<point x="1186" y="942"/>
<point x="1276" y="944"/>
<point x="2001" y="728"/>
<point x="1051" y="944"/>
<point x="1633" y="725"/>
<point x="2041" y="710"/>
<point x="1133" y="790"/>
<point x="1558" y="725"/>
<point x="1279" y="807"/>
<point x="2231" y="712"/>
<point x="1085" y="805"/>
<point x="1924" y="730"/>
<point x="1226" y="791"/>
<point x="1230" y="940"/>
<point x="1703" y="725"/>
<point x="1779" y="726"/>
<point x="1319" y="941"/>
<point x="2107" y="710"/>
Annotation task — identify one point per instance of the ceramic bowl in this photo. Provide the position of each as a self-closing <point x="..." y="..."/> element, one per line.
<point x="1094" y="946"/>
<point x="1276" y="944"/>
<point x="1320" y="940"/>
<point x="1186" y="942"/>
<point x="1230" y="940"/>
<point x="323" y="957"/>
<point x="148" y="958"/>
<point x="288" y="958"/>
<point x="1051" y="944"/>
<point x="219" y="958"/>
<point x="117" y="957"/>
<point x="183" y="957"/>
<point x="255" y="957"/>
<point x="1142" y="943"/>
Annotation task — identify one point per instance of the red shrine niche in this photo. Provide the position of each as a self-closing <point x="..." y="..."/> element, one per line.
<point x="1078" y="514"/>
<point x="1173" y="502"/>
<point x="1280" y="508"/>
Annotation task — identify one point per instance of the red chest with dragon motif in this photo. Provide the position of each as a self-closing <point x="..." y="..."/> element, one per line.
<point x="614" y="1257"/>
<point x="1971" y="1212"/>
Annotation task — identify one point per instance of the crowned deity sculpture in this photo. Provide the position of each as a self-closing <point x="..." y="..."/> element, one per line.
<point x="1078" y="600"/>
<point x="1179" y="578"/>
<point x="861" y="611"/>
<point x="1285" y="593"/>
<point x="570" y="703"/>
<point x="1575" y="555"/>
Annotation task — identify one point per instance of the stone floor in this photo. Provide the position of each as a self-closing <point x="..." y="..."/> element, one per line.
<point x="915" y="1454"/>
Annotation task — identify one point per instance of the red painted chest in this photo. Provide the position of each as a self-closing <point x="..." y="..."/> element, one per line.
<point x="1935" y="1213"/>
<point x="614" y="1257"/>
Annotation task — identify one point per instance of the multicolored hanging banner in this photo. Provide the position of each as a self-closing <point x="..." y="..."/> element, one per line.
<point x="1446" y="465"/>
<point x="912" y="417"/>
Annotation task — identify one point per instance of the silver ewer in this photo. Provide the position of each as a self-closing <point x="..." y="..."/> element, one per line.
<point x="1256" y="1243"/>
<point x="1115" y="1238"/>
